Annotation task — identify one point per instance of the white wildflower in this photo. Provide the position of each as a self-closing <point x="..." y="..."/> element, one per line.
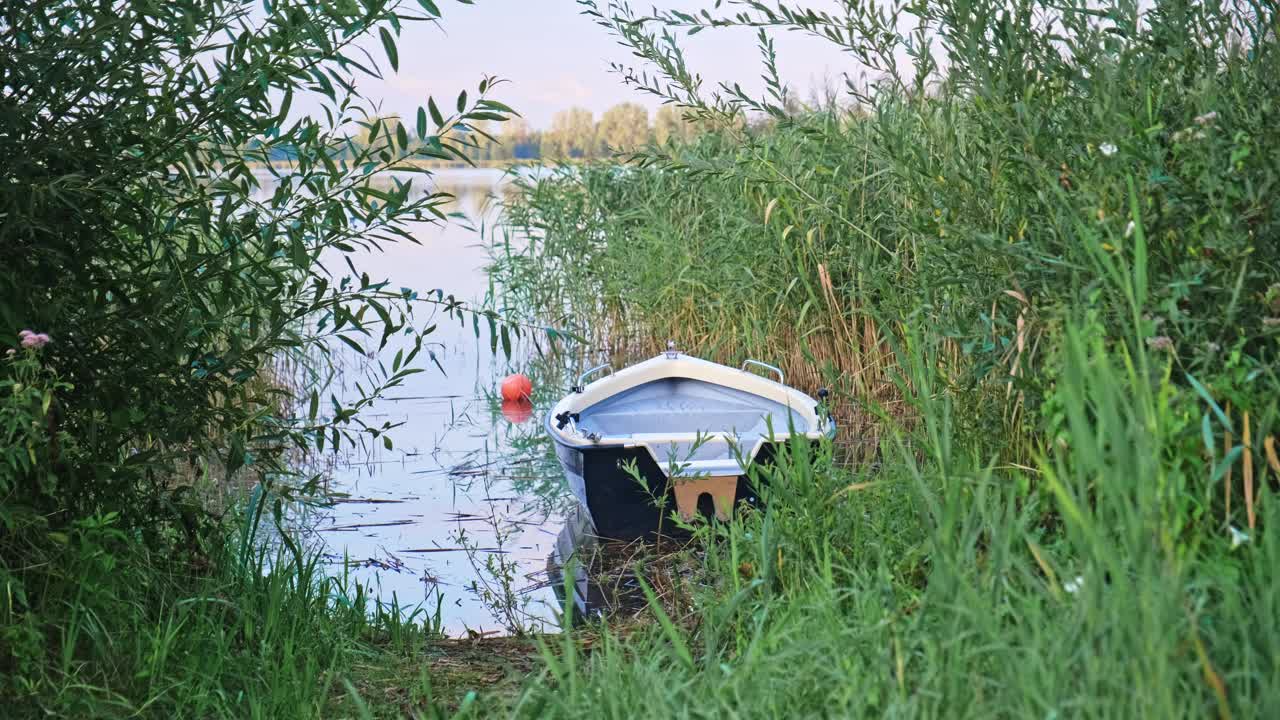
<point x="1128" y="229"/>
<point x="1238" y="537"/>
<point x="1188" y="134"/>
<point x="1074" y="586"/>
<point x="1107" y="149"/>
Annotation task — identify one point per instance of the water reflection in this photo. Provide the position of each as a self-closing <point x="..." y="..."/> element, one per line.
<point x="594" y="577"/>
<point x="461" y="514"/>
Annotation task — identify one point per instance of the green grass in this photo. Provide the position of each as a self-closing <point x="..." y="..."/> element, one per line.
<point x="116" y="630"/>
<point x="1048" y="302"/>
<point x="931" y="588"/>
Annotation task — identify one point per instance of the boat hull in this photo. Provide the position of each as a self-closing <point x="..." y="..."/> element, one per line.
<point x="622" y="507"/>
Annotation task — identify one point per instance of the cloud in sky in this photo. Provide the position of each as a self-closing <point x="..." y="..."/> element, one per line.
<point x="553" y="57"/>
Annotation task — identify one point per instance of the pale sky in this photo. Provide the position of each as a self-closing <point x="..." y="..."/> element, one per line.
<point x="554" y="58"/>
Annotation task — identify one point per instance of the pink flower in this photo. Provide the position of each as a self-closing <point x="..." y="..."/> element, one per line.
<point x="34" y="341"/>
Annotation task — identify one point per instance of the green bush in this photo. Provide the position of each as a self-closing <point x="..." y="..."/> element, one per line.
<point x="178" y="237"/>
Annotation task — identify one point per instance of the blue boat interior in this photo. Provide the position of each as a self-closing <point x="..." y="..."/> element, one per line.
<point x="675" y="406"/>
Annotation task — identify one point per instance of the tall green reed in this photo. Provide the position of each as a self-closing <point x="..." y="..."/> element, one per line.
<point x="1033" y="259"/>
<point x="954" y="194"/>
<point x="928" y="587"/>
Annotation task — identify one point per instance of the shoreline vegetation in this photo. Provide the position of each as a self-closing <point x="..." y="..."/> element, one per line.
<point x="1036" y="264"/>
<point x="575" y="136"/>
<point x="149" y="295"/>
<point x="430" y="164"/>
<point x="1035" y="260"/>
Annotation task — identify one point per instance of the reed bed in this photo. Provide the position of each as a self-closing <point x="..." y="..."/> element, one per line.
<point x="1040" y="275"/>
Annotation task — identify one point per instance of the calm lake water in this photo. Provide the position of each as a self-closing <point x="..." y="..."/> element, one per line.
<point x="463" y="513"/>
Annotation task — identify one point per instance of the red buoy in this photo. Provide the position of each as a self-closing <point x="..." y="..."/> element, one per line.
<point x="516" y="387"/>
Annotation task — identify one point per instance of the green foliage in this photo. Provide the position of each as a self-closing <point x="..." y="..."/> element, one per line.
<point x="29" y="451"/>
<point x="925" y="588"/>
<point x="179" y="227"/>
<point x="1126" y="169"/>
<point x="133" y="631"/>
<point x="136" y="233"/>
<point x="1058" y="222"/>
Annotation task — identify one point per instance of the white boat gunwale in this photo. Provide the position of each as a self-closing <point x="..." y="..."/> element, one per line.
<point x="678" y="365"/>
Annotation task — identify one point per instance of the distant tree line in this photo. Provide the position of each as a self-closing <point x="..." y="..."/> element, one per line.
<point x="574" y="133"/>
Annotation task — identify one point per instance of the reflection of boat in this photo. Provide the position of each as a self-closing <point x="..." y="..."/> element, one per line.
<point x="602" y="573"/>
<point x="673" y="427"/>
<point x="574" y="551"/>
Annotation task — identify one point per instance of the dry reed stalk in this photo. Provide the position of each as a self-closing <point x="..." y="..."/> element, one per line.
<point x="1211" y="676"/>
<point x="1018" y="356"/>
<point x="1020" y="339"/>
<point x="1269" y="445"/>
<point x="854" y="487"/>
<point x="854" y="352"/>
<point x="829" y="292"/>
<point x="1045" y="568"/>
<point x="1248" y="474"/>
